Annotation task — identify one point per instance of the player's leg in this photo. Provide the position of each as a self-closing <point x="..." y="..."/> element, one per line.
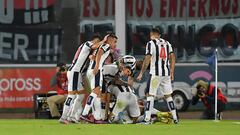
<point x="77" y="104"/>
<point x="153" y="86"/>
<point x="166" y="88"/>
<point x="72" y="85"/>
<point x="119" y="107"/>
<point x="77" y="108"/>
<point x="133" y="108"/>
<point x="95" y="82"/>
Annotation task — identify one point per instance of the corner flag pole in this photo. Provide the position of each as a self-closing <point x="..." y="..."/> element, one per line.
<point x="216" y="81"/>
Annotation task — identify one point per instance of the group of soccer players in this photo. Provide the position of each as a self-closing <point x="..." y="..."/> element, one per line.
<point x="112" y="98"/>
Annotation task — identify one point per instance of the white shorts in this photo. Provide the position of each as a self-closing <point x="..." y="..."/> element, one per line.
<point x="128" y="101"/>
<point x="94" y="80"/>
<point x="74" y="81"/>
<point x="162" y="82"/>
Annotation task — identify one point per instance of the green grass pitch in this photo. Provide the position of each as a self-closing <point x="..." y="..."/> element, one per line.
<point x="52" y="127"/>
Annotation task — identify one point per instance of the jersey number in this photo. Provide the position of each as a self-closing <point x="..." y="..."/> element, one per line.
<point x="163" y="54"/>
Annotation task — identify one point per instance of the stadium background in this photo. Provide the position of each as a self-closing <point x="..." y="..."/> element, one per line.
<point x="36" y="34"/>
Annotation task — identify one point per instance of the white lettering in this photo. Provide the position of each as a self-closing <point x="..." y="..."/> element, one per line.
<point x="20" y="84"/>
<point x="37" y="84"/>
<point x="4" y="44"/>
<point x="6" y="16"/>
<point x="21" y="46"/>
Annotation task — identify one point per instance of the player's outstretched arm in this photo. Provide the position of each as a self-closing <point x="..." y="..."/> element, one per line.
<point x="172" y="65"/>
<point x="146" y="62"/>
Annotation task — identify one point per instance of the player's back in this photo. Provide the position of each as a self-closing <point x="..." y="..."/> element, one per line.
<point x="110" y="71"/>
<point x="81" y="57"/>
<point x="160" y="50"/>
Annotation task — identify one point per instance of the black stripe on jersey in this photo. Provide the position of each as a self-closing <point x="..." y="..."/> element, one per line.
<point x="73" y="64"/>
<point x="97" y="79"/>
<point x="120" y="88"/>
<point x="168" y="60"/>
<point x="84" y="64"/>
<point x="108" y="75"/>
<point x="127" y="89"/>
<point x="88" y="44"/>
<point x="157" y="57"/>
<point x="104" y="49"/>
<point x="148" y="49"/>
<point x="75" y="81"/>
<point x="93" y="65"/>
<point x="162" y="65"/>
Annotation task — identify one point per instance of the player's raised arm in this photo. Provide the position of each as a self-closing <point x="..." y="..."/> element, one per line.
<point x="97" y="44"/>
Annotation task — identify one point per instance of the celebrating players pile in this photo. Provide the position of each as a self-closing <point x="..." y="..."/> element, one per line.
<point x="111" y="99"/>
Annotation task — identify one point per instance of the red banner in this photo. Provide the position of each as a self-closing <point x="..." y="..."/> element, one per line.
<point x="18" y="85"/>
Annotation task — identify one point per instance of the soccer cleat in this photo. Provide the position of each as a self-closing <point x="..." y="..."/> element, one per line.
<point x="176" y="121"/>
<point x="73" y="120"/>
<point x="166" y="120"/>
<point x="164" y="114"/>
<point x="100" y="122"/>
<point x="63" y="121"/>
<point x="146" y="122"/>
<point x="85" y="118"/>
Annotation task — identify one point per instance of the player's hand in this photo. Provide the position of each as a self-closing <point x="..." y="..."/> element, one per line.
<point x="95" y="71"/>
<point x="139" y="78"/>
<point x="105" y="38"/>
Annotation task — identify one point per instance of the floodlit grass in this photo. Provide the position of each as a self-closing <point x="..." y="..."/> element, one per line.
<point x="52" y="127"/>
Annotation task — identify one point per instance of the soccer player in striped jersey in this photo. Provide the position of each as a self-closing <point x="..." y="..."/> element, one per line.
<point x="160" y="55"/>
<point x="112" y="77"/>
<point x="125" y="100"/>
<point x="72" y="106"/>
<point x="95" y="77"/>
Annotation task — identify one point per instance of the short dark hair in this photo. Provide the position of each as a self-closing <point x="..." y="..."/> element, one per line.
<point x="156" y="30"/>
<point x="96" y="35"/>
<point x="112" y="35"/>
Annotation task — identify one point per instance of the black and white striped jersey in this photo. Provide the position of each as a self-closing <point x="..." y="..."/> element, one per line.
<point x="81" y="57"/>
<point x="106" y="52"/>
<point x="159" y="49"/>
<point x="116" y="89"/>
<point x="110" y="71"/>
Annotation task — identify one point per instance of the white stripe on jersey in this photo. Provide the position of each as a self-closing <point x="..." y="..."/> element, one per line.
<point x="110" y="71"/>
<point x="116" y="89"/>
<point x="106" y="52"/>
<point x="160" y="50"/>
<point x="81" y="57"/>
